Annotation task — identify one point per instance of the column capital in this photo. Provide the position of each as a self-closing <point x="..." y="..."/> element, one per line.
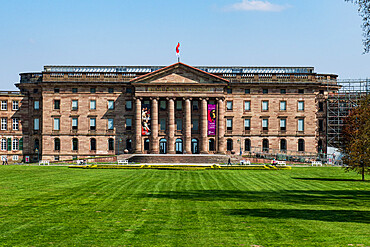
<point x="168" y="98"/>
<point x="154" y="98"/>
<point x="187" y="98"/>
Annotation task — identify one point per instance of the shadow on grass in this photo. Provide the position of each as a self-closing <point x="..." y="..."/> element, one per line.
<point x="306" y="197"/>
<point x="333" y="179"/>
<point x="304" y="214"/>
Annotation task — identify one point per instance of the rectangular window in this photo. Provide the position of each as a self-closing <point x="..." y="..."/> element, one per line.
<point x="265" y="105"/>
<point x="15" y="144"/>
<point x="15" y="123"/>
<point x="247" y="91"/>
<point x="301" y="91"/>
<point x="110" y="90"/>
<point x="300" y="105"/>
<point x="56" y="90"/>
<point x="4" y="124"/>
<point x="36" y="105"/>
<point x="128" y="123"/>
<point x="92" y="90"/>
<point x="229" y="105"/>
<point x="265" y="91"/>
<point x="162" y="123"/>
<point x="74" y="123"/>
<point x="128" y="105"/>
<point x="229" y="124"/>
<point x="110" y="104"/>
<point x="36" y="124"/>
<point x="179" y="105"/>
<point x="15" y="157"/>
<point x="300" y="124"/>
<point x="128" y="90"/>
<point x="162" y="105"/>
<point x="195" y="105"/>
<point x="92" y="104"/>
<point x="74" y="90"/>
<point x="247" y="124"/>
<point x="92" y="123"/>
<point x="74" y="105"/>
<point x="265" y="124"/>
<point x="282" y="105"/>
<point x="321" y="106"/>
<point x="110" y="123"/>
<point x="179" y="124"/>
<point x="56" y="104"/>
<point x="15" y="105"/>
<point x="283" y="91"/>
<point x="229" y="91"/>
<point x="321" y="125"/>
<point x="195" y="124"/>
<point x="56" y="123"/>
<point x="4" y="105"/>
<point x="247" y="105"/>
<point x="283" y="124"/>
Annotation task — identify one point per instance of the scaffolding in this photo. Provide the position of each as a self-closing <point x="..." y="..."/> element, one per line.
<point x="339" y="103"/>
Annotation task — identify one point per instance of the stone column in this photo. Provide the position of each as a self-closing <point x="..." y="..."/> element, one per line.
<point x="188" y="126"/>
<point x="154" y="122"/>
<point x="171" y="126"/>
<point x="138" y="126"/>
<point x="221" y="127"/>
<point x="203" y="127"/>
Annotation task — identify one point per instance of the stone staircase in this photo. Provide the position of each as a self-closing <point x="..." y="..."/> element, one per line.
<point x="176" y="158"/>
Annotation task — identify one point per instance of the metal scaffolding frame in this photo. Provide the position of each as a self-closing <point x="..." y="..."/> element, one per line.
<point x="339" y="103"/>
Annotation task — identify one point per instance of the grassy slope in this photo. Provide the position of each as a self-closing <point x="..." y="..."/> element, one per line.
<point x="61" y="206"/>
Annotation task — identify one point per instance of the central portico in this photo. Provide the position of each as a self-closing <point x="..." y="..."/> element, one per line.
<point x="173" y="111"/>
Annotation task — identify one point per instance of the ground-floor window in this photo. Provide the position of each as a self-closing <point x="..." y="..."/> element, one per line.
<point x="110" y="144"/>
<point x="265" y="145"/>
<point x="301" y="145"/>
<point x="56" y="144"/>
<point x="247" y="145"/>
<point x="194" y="146"/>
<point x="93" y="144"/>
<point x="74" y="144"/>
<point x="15" y="144"/>
<point x="211" y="144"/>
<point x="179" y="149"/>
<point x="229" y="145"/>
<point x="129" y="144"/>
<point x="162" y="146"/>
<point x="146" y="144"/>
<point x="283" y="145"/>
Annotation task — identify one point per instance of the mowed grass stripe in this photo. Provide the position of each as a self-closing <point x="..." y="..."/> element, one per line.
<point x="303" y="206"/>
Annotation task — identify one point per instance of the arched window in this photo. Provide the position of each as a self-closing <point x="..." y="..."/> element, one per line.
<point x="178" y="143"/>
<point x="229" y="145"/>
<point x="56" y="144"/>
<point x="247" y="145"/>
<point x="301" y="145"/>
<point x="128" y="144"/>
<point x="74" y="144"/>
<point x="162" y="146"/>
<point x="37" y="144"/>
<point x="283" y="147"/>
<point x="146" y="144"/>
<point x="3" y="144"/>
<point x="93" y="144"/>
<point x="211" y="144"/>
<point x="110" y="144"/>
<point x="15" y="144"/>
<point x="265" y="145"/>
<point x="195" y="146"/>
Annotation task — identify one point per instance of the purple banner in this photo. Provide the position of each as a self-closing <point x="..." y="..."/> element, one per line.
<point x="211" y="120"/>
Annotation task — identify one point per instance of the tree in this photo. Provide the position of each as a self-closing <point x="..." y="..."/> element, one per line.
<point x="356" y="136"/>
<point x="364" y="12"/>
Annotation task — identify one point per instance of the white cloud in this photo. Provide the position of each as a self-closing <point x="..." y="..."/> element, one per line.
<point x="256" y="5"/>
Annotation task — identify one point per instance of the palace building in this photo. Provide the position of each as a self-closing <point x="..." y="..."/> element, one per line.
<point x="67" y="112"/>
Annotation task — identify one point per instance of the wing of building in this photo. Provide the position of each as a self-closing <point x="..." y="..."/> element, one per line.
<point x="67" y="112"/>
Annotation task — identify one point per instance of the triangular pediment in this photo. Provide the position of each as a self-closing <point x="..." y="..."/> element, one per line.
<point x="179" y="73"/>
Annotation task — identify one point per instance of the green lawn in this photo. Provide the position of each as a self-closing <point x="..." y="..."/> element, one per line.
<point x="45" y="206"/>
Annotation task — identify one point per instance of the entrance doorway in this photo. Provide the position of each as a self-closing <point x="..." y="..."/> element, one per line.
<point x="179" y="146"/>
<point x="162" y="146"/>
<point x="194" y="146"/>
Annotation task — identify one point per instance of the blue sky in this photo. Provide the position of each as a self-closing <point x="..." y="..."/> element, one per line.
<point x="325" y="34"/>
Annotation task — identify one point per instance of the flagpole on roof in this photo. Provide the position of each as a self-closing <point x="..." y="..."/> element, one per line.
<point x="178" y="52"/>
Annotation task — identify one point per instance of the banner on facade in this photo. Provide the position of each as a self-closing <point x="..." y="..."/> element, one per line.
<point x="145" y="119"/>
<point x="211" y="119"/>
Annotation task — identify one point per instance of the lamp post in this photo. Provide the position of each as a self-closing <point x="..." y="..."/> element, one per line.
<point x="240" y="145"/>
<point x="38" y="154"/>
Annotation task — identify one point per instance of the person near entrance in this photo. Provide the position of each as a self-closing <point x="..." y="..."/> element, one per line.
<point x="229" y="162"/>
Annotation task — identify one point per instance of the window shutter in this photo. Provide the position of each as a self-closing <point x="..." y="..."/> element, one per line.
<point x="21" y="144"/>
<point x="9" y="144"/>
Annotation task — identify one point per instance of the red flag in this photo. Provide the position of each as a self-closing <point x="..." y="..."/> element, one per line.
<point x="177" y="48"/>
